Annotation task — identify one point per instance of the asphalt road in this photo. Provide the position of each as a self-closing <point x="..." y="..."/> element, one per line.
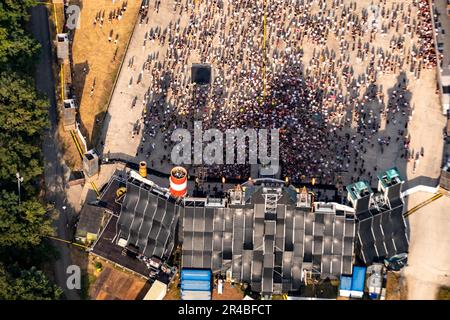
<point x="54" y="170"/>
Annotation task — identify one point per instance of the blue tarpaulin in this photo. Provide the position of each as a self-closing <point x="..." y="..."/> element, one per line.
<point x="196" y="284"/>
<point x="346" y="283"/>
<point x="358" y="280"/>
<point x="193" y="274"/>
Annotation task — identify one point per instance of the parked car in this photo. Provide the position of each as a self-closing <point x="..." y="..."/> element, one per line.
<point x="397" y="262"/>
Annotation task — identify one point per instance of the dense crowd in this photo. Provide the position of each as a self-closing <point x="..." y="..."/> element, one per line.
<point x="315" y="80"/>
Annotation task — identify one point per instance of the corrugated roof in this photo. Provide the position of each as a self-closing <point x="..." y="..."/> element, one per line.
<point x="147" y="221"/>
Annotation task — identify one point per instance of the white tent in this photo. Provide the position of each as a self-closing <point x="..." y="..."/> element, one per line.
<point x="157" y="291"/>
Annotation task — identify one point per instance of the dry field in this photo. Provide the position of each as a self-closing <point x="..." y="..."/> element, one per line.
<point x="173" y="292"/>
<point x="113" y="284"/>
<point x="396" y="288"/>
<point x="69" y="150"/>
<point x="99" y="58"/>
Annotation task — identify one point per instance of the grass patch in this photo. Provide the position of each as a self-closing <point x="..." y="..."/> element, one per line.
<point x="444" y="293"/>
<point x="87" y="280"/>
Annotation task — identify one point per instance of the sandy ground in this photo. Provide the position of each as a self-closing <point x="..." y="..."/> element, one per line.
<point x="173" y="292"/>
<point x="426" y="130"/>
<point x="429" y="256"/>
<point x="396" y="287"/>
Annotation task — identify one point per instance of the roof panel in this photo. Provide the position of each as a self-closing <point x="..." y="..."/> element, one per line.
<point x="188" y="219"/>
<point x="199" y="219"/>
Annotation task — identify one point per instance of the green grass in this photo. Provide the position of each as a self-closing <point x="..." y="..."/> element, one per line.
<point x="444" y="293"/>
<point x="86" y="281"/>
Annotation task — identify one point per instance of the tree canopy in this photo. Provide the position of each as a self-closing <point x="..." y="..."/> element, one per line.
<point x="22" y="226"/>
<point x="23" y="119"/>
<point x="31" y="284"/>
<point x="17" y="48"/>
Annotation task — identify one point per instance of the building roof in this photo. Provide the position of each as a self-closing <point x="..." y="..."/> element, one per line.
<point x="111" y="198"/>
<point x="107" y="248"/>
<point x="268" y="234"/>
<point x="381" y="226"/>
<point x="390" y="177"/>
<point x="269" y="238"/>
<point x="147" y="220"/>
<point x="62" y="46"/>
<point x="359" y="189"/>
<point x="90" y="221"/>
<point x="157" y="291"/>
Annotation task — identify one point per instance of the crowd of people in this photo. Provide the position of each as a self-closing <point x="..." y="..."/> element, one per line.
<point x="115" y="14"/>
<point x="314" y="76"/>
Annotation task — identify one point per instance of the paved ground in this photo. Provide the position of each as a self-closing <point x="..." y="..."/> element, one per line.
<point x="429" y="254"/>
<point x="53" y="164"/>
<point x="426" y="130"/>
<point x="121" y="117"/>
<point x="443" y="30"/>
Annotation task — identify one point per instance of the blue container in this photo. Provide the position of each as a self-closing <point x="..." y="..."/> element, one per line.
<point x="193" y="274"/>
<point x="358" y="279"/>
<point x="345" y="283"/>
<point x="373" y="296"/>
<point x="192" y="285"/>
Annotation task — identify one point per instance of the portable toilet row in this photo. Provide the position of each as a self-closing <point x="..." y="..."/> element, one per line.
<point x="345" y="286"/>
<point x="358" y="282"/>
<point x="196" y="284"/>
<point x="353" y="286"/>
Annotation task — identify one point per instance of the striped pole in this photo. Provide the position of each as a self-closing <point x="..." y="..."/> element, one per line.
<point x="178" y="182"/>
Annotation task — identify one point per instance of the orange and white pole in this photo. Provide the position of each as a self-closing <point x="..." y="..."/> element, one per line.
<point x="178" y="182"/>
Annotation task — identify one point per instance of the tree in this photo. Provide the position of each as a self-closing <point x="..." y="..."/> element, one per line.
<point x="22" y="112"/>
<point x="23" y="117"/>
<point x="16" y="48"/>
<point x="29" y="284"/>
<point x="18" y="156"/>
<point x="24" y="226"/>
